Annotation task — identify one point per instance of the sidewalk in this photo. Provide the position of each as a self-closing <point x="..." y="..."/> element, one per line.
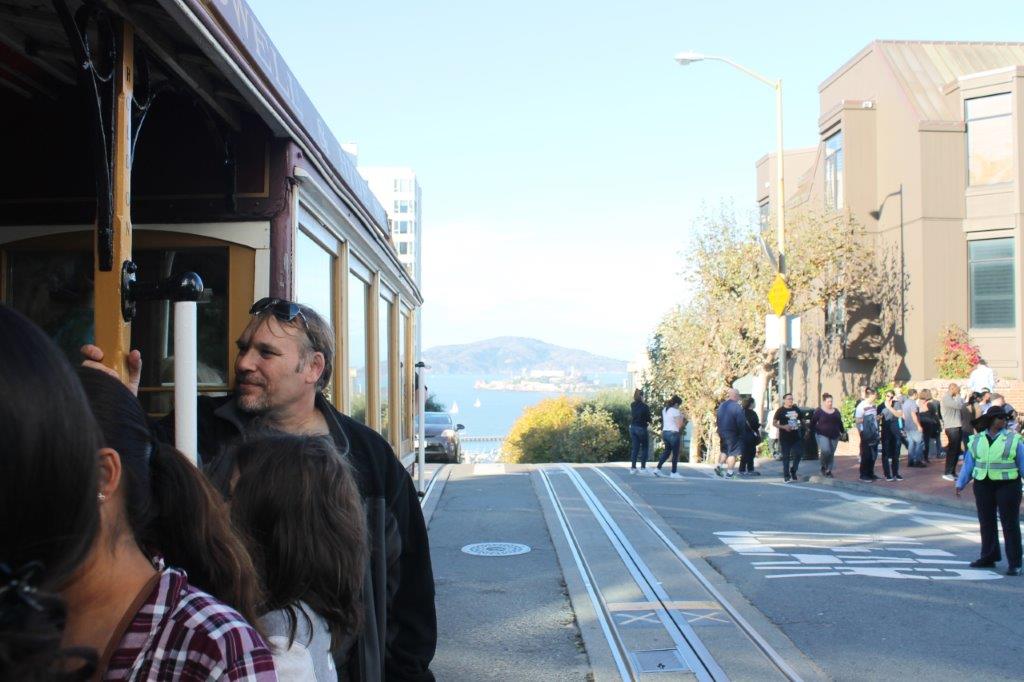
<point x="919" y="485"/>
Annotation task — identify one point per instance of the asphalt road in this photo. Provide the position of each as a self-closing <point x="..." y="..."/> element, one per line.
<point x="866" y="587"/>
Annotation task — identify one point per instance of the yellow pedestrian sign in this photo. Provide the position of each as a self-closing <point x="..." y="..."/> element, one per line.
<point x="778" y="295"/>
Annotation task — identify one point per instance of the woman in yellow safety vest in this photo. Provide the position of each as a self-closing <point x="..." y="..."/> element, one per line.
<point x="995" y="461"/>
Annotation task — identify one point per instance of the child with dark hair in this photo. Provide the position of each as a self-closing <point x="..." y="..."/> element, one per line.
<point x="165" y="532"/>
<point x="296" y="500"/>
<point x="49" y="501"/>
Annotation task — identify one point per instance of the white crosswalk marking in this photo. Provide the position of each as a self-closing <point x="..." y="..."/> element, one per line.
<point x="842" y="554"/>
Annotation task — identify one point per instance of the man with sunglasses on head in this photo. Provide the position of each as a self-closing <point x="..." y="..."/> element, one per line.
<point x="285" y="360"/>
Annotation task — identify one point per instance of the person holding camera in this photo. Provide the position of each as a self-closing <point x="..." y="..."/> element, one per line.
<point x="892" y="436"/>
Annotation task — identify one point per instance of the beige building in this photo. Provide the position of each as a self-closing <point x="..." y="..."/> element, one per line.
<point x="921" y="143"/>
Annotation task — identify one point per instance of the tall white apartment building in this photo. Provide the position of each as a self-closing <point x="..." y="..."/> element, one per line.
<point x="398" y="192"/>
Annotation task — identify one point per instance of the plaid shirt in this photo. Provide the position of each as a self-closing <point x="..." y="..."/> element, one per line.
<point x="181" y="633"/>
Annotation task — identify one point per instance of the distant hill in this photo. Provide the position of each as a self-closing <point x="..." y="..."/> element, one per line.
<point x="506" y="355"/>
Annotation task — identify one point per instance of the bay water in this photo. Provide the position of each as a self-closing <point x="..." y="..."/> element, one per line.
<point x="497" y="411"/>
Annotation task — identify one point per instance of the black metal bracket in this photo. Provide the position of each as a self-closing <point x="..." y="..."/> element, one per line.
<point x="187" y="286"/>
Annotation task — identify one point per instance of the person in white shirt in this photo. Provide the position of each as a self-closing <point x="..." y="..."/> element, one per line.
<point x="672" y="424"/>
<point x="982" y="377"/>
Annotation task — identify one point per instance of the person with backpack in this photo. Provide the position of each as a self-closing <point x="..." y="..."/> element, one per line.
<point x="866" y="415"/>
<point x="640" y="419"/>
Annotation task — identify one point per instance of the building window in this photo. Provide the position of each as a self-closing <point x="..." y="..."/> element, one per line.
<point x="403" y="226"/>
<point x="403" y="206"/>
<point x="358" y="290"/>
<point x="834" y="172"/>
<point x="764" y="214"/>
<point x="403" y="248"/>
<point x="991" y="272"/>
<point x="989" y="140"/>
<point x="835" y="317"/>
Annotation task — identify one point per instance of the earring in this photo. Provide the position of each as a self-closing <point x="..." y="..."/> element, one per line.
<point x="101" y="497"/>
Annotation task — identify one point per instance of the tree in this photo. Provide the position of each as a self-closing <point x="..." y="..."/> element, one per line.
<point x="699" y="349"/>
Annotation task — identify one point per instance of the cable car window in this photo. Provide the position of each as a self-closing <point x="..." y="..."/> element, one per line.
<point x="384" y="346"/>
<point x="358" y="291"/>
<point x="54" y="290"/>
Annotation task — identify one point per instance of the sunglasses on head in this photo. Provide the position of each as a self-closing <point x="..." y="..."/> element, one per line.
<point x="286" y="311"/>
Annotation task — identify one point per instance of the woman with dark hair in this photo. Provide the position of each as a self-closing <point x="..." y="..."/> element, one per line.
<point x="672" y="423"/>
<point x="164" y="533"/>
<point x="48" y="501"/>
<point x="827" y="427"/>
<point x="751" y="438"/>
<point x="640" y="419"/>
<point x="296" y="500"/>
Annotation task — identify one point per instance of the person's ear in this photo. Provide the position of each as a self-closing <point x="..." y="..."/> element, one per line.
<point x="315" y="367"/>
<point x="110" y="473"/>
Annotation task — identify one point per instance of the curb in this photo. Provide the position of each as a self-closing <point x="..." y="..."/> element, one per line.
<point x="885" y="491"/>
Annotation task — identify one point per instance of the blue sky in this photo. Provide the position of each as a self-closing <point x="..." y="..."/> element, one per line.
<point x="563" y="155"/>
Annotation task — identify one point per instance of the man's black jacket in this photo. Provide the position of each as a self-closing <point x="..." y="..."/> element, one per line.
<point x="400" y="631"/>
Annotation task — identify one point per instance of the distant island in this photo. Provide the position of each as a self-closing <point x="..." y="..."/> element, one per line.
<point x="524" y="361"/>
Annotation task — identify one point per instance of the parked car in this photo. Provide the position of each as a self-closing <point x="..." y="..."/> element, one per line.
<point x="442" y="438"/>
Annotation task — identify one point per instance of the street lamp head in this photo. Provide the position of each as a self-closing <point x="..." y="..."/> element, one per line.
<point x="685" y="58"/>
<point x="875" y="214"/>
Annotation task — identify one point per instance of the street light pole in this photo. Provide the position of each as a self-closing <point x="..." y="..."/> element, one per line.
<point x="780" y="236"/>
<point x="685" y="58"/>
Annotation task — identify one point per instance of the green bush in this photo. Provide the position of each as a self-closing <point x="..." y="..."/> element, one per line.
<point x="562" y="430"/>
<point x="592" y="437"/>
<point x="617" y="404"/>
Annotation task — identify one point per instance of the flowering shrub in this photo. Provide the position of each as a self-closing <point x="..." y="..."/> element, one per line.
<point x="957" y="355"/>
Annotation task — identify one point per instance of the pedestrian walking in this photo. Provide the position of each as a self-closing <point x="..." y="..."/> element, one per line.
<point x="751" y="438"/>
<point x="912" y="429"/>
<point x="931" y="425"/>
<point x="732" y="424"/>
<point x="672" y="423"/>
<point x="787" y="420"/>
<point x="827" y="427"/>
<point x="892" y="436"/>
<point x="866" y="416"/>
<point x="995" y="462"/>
<point x="952" y="410"/>
<point x="639" y="441"/>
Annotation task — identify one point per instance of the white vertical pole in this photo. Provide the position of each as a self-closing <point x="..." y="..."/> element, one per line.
<point x="185" y="379"/>
<point x="421" y="408"/>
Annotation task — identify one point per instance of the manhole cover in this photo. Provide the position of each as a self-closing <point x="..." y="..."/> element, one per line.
<point x="495" y="549"/>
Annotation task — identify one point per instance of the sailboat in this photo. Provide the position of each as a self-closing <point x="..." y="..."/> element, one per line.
<point x="455" y="408"/>
<point x="477" y="403"/>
